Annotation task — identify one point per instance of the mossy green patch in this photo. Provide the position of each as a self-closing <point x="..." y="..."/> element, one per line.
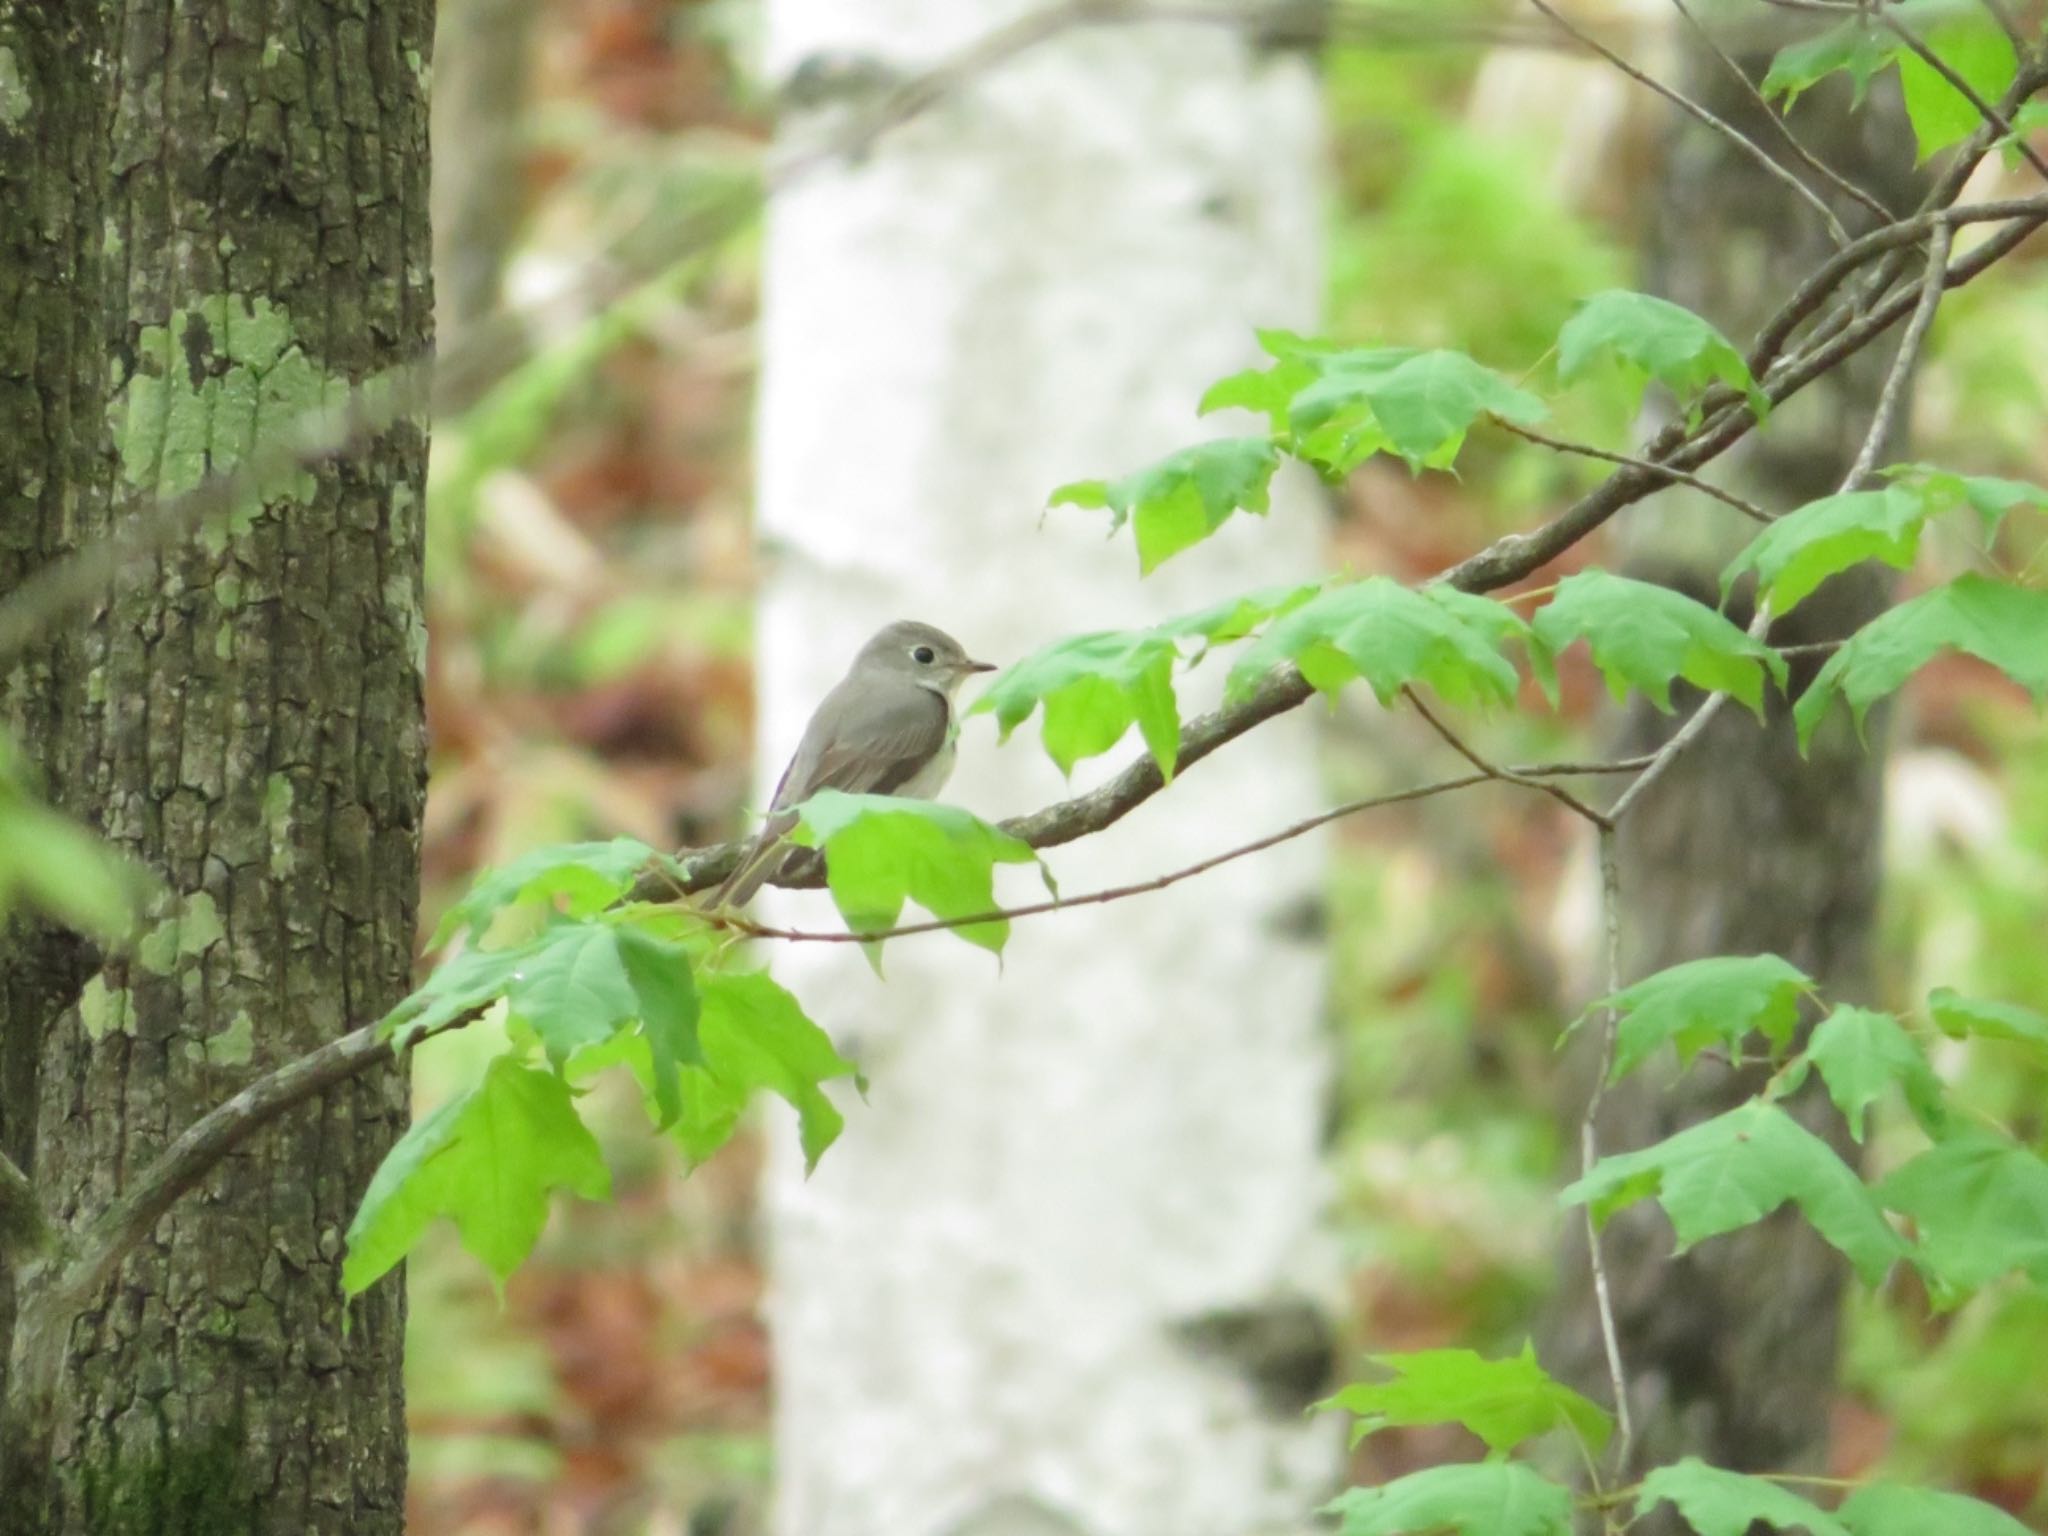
<point x="14" y="97"/>
<point x="277" y="820"/>
<point x="230" y="1047"/>
<point x="189" y="931"/>
<point x="224" y="376"/>
<point x="104" y="1010"/>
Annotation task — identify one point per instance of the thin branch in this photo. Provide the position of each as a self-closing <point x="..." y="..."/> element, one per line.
<point x="1557" y="792"/>
<point x="1524" y="778"/>
<point x="1765" y="352"/>
<point x="1969" y="92"/>
<point x="1589" y="1154"/>
<point x="1891" y="400"/>
<point x="1747" y="508"/>
<point x="117" y="1230"/>
<point x="1092" y="898"/>
<point x="1694" y="727"/>
<point x="1686" y="104"/>
<point x="1807" y="157"/>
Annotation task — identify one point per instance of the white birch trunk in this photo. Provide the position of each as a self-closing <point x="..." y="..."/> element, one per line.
<point x="976" y="1298"/>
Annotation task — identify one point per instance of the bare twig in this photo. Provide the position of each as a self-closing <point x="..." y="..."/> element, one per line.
<point x="1694" y="727"/>
<point x="1530" y="777"/>
<point x="1748" y="509"/>
<point x="1893" y="396"/>
<point x="1589" y="1154"/>
<point x="1692" y="108"/>
<point x="1766" y="351"/>
<point x="84" y="1267"/>
<point x="1806" y="156"/>
<point x="1557" y="792"/>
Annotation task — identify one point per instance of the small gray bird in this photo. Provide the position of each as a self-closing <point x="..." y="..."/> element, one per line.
<point x="886" y="729"/>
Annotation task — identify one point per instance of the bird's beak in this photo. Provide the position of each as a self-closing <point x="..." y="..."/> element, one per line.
<point x="978" y="666"/>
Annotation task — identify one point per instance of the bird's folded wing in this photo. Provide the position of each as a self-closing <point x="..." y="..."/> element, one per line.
<point x="896" y="732"/>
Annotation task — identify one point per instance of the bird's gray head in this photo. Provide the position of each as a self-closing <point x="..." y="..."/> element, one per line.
<point x="929" y="657"/>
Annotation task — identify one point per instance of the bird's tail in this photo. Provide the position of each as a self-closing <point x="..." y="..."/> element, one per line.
<point x="761" y="862"/>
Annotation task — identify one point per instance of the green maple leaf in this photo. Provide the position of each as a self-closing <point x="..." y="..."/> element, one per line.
<point x="1858" y="50"/>
<point x="756" y="1036"/>
<point x="471" y="980"/>
<point x="1236" y="617"/>
<point x="1490" y="1498"/>
<point x="1861" y="1055"/>
<point x="1981" y="1205"/>
<point x="1977" y="49"/>
<point x="1390" y="636"/>
<point x="1643" y="637"/>
<point x="1093" y="688"/>
<point x="1735" y="1170"/>
<point x="1989" y="496"/>
<point x="1961" y="1016"/>
<point x="1884" y="1509"/>
<point x="1178" y="502"/>
<point x="1699" y="1003"/>
<point x="578" y="879"/>
<point x="487" y="1158"/>
<point x="1969" y="42"/>
<point x="1418" y="405"/>
<point x="572" y="989"/>
<point x="666" y="1004"/>
<point x="2004" y="625"/>
<point x="1802" y="549"/>
<point x="1719" y="1503"/>
<point x="1657" y="339"/>
<point x="883" y="850"/>
<point x="1503" y="1402"/>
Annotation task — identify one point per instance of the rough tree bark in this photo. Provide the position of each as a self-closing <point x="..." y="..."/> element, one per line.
<point x="1050" y="1280"/>
<point x="1744" y="847"/>
<point x="236" y="230"/>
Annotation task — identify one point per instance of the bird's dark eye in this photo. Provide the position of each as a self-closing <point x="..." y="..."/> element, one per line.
<point x="922" y="655"/>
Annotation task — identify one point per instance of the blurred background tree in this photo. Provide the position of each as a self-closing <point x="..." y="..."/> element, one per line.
<point x="1041" y="1224"/>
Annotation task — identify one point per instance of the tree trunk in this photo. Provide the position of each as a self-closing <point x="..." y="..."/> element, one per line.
<point x="1744" y="847"/>
<point x="1053" y="1277"/>
<point x="244" y="714"/>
